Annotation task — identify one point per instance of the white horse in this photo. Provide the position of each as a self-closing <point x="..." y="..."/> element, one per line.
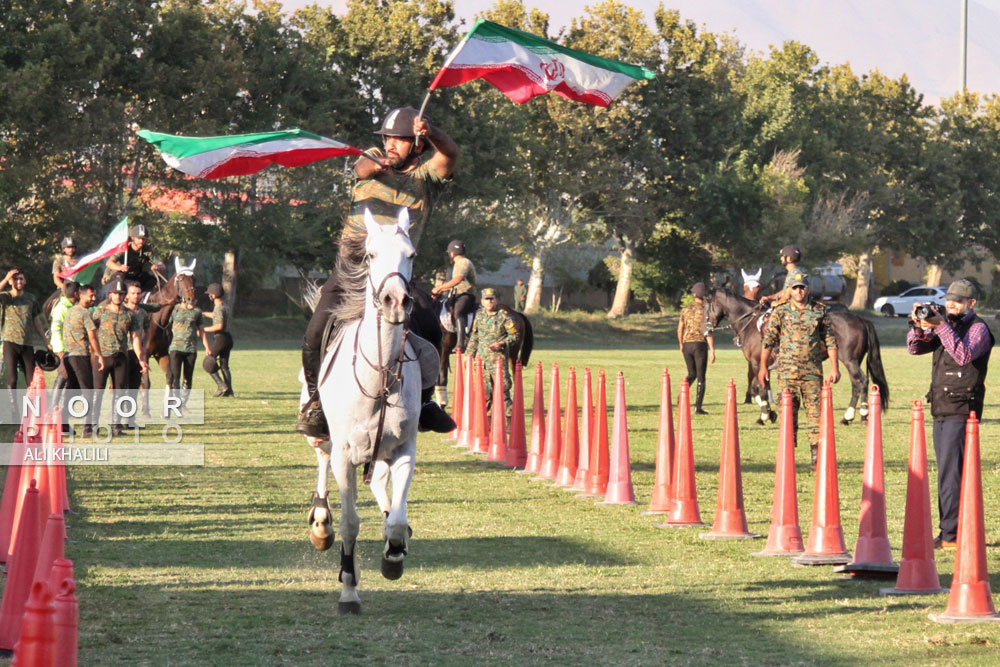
<point x="369" y="387"/>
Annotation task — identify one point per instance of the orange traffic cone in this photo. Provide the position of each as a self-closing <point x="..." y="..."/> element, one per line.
<point x="918" y="573"/>
<point x="52" y="547"/>
<point x="597" y="476"/>
<point x="31" y="427"/>
<point x="971" y="600"/>
<point x="498" y="419"/>
<point x="553" y="436"/>
<point x="784" y="537"/>
<point x="662" y="501"/>
<point x="480" y="438"/>
<point x="19" y="575"/>
<point x="62" y="569"/>
<point x="67" y="622"/>
<point x="872" y="553"/>
<point x="10" y="489"/>
<point x="465" y="426"/>
<point x="456" y="404"/>
<point x="730" y="515"/>
<point x="571" y="436"/>
<point x="534" y="464"/>
<point x="517" y="451"/>
<point x="586" y="428"/>
<point x="825" y="545"/>
<point x="57" y="469"/>
<point x="36" y="645"/>
<point x="685" y="509"/>
<point x="620" y="490"/>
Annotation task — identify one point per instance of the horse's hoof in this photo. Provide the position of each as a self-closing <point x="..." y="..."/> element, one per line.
<point x="346" y="608"/>
<point x="772" y="416"/>
<point x="320" y="542"/>
<point x="760" y="421"/>
<point x="392" y="569"/>
<point x="845" y="422"/>
<point x="748" y="401"/>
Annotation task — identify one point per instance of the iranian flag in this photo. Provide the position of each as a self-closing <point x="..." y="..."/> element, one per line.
<point x="115" y="242"/>
<point x="522" y="66"/>
<point x="241" y="154"/>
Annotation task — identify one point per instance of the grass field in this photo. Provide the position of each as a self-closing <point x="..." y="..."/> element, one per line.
<point x="212" y="565"/>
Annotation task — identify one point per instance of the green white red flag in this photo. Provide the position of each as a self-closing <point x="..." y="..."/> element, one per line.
<point x="522" y="66"/>
<point x="242" y="154"/>
<point x="114" y="242"/>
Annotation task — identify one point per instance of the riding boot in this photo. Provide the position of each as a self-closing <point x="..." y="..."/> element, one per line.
<point x="220" y="383"/>
<point x="460" y="336"/>
<point x="699" y="397"/>
<point x="432" y="417"/>
<point x="312" y="421"/>
<point x="227" y="375"/>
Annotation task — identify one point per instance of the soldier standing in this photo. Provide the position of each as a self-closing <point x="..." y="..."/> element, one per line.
<point x="116" y="330"/>
<point x="520" y="295"/>
<point x="20" y="311"/>
<point x="137" y="380"/>
<point x="492" y="333"/>
<point x="697" y="346"/>
<point x="216" y="361"/>
<point x="79" y="340"/>
<point x="799" y="328"/>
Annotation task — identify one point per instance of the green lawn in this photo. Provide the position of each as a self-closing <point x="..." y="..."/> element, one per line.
<point x="212" y="565"/>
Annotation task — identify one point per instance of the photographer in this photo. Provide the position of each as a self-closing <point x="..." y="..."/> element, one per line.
<point x="961" y="343"/>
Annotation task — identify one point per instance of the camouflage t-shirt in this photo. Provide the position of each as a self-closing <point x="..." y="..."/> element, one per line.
<point x="63" y="262"/>
<point x="18" y="313"/>
<point x="78" y="322"/>
<point x="114" y="329"/>
<point x="141" y="314"/>
<point x="417" y="189"/>
<point x="693" y="319"/>
<point x="490" y="328"/>
<point x="184" y="323"/>
<point x="800" y="334"/>
<point x="220" y="314"/>
<point x="465" y="269"/>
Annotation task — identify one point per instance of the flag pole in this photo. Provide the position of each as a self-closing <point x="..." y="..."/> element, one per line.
<point x="420" y="114"/>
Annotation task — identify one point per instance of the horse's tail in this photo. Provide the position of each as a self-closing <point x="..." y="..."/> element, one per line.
<point x="529" y="342"/>
<point x="874" y="362"/>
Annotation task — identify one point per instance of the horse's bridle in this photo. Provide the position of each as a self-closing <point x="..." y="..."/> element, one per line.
<point x="735" y="324"/>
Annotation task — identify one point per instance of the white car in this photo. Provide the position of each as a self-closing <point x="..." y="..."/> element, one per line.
<point x="902" y="304"/>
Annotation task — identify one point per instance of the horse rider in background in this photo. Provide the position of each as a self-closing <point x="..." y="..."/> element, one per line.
<point x="67" y="259"/>
<point x="463" y="291"/>
<point x="135" y="263"/>
<point x="790" y="258"/>
<point x="397" y="177"/>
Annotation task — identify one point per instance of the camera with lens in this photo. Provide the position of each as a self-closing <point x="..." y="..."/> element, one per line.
<point x="927" y="311"/>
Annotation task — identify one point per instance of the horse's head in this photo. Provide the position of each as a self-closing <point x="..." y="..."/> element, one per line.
<point x="389" y="255"/>
<point x="751" y="284"/>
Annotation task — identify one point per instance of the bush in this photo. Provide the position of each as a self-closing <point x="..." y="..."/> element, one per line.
<point x="897" y="287"/>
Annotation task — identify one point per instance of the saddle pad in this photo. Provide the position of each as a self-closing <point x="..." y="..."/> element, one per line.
<point x="445" y="317"/>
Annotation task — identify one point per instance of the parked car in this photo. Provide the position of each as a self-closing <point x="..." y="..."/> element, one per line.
<point x="902" y="304"/>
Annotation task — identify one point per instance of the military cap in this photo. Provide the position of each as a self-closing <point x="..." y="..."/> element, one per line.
<point x="799" y="279"/>
<point x="488" y="293"/>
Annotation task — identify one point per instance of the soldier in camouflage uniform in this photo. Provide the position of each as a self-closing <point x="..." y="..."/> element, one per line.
<point x="492" y="333"/>
<point x="137" y="380"/>
<point x="20" y="312"/>
<point x="799" y="329"/>
<point x="697" y="346"/>
<point x="186" y="326"/>
<point x="117" y="329"/>
<point x="135" y="263"/>
<point x="79" y="340"/>
<point x="398" y="179"/>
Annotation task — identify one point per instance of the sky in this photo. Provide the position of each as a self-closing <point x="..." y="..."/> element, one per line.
<point x="919" y="38"/>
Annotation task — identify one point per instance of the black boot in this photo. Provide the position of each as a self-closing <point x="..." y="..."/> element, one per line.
<point x="432" y="417"/>
<point x="220" y="383"/>
<point x="460" y="336"/>
<point x="312" y="421"/>
<point x="699" y="397"/>
<point x="227" y="375"/>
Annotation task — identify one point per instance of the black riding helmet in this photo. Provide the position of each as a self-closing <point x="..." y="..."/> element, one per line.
<point x="117" y="285"/>
<point x="214" y="290"/>
<point x="138" y="232"/>
<point x="457" y="247"/>
<point x="399" y="123"/>
<point x="68" y="242"/>
<point x="792" y="252"/>
<point x="46" y="360"/>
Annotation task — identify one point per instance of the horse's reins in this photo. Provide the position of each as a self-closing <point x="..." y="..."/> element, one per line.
<point x="390" y="375"/>
<point x="733" y="324"/>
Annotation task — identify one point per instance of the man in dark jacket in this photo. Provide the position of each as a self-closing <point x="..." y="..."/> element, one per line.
<point x="960" y="343"/>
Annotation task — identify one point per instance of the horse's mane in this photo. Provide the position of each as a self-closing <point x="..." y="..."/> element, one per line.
<point x="740" y="298"/>
<point x="350" y="275"/>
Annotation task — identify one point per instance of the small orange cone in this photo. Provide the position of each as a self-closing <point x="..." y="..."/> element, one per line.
<point x="36" y="644"/>
<point x="553" y="435"/>
<point x="872" y="552"/>
<point x="597" y="475"/>
<point x="685" y="509"/>
<point x="918" y="573"/>
<point x="571" y="436"/>
<point x="498" y="420"/>
<point x="534" y="464"/>
<point x="620" y="491"/>
<point x="67" y="622"/>
<point x="465" y="426"/>
<point x="53" y="546"/>
<point x="22" y="568"/>
<point x="517" y="451"/>
<point x="784" y="537"/>
<point x="970" y="600"/>
<point x="825" y="545"/>
<point x="662" y="501"/>
<point x="586" y="428"/>
<point x="10" y="489"/>
<point x="456" y="403"/>
<point x="730" y="515"/>
<point x="480" y="438"/>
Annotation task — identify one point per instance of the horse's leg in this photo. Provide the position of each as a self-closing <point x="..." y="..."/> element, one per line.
<point x="350" y="525"/>
<point x="320" y="514"/>
<point x="751" y="377"/>
<point x="164" y="362"/>
<point x="859" y="387"/>
<point x="441" y="390"/>
<point x="396" y="527"/>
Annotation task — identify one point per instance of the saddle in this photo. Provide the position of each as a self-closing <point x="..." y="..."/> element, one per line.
<point x="762" y="321"/>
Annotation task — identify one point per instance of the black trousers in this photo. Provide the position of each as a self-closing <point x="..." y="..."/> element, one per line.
<point x="179" y="360"/>
<point x="115" y="367"/>
<point x="465" y="305"/>
<point x="696" y="358"/>
<point x="15" y="356"/>
<point x="221" y="346"/>
<point x="79" y="375"/>
<point x="949" y="449"/>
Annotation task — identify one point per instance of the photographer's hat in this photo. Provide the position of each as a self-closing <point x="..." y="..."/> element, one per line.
<point x="960" y="289"/>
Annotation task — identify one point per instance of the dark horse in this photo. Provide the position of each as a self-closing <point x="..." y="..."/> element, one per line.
<point x="856" y="339"/>
<point x="520" y="350"/>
